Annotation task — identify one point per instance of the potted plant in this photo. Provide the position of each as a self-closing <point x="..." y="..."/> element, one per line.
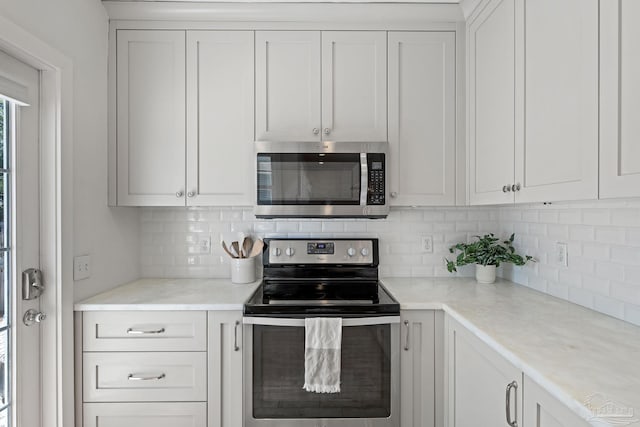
<point x="487" y="253"/>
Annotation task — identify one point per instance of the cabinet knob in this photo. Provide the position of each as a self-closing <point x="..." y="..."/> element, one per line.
<point x="191" y="193"/>
<point x="515" y="187"/>
<point x="179" y="194"/>
<point x="327" y="131"/>
<point x="394" y="194"/>
<point x="506" y="188"/>
<point x="316" y="131"/>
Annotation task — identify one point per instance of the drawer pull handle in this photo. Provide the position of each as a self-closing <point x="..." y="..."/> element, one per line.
<point x="512" y="385"/>
<point x="235" y="336"/>
<point x="144" y="332"/>
<point x="406" y="341"/>
<point x="134" y="377"/>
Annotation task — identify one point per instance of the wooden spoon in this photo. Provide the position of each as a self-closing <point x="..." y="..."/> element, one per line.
<point x="247" y="244"/>
<point x="257" y="248"/>
<point x="236" y="247"/>
<point x="224" y="246"/>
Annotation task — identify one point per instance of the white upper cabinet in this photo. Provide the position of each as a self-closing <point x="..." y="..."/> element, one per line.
<point x="220" y="93"/>
<point x="491" y="90"/>
<point x="313" y="86"/>
<point x="422" y="118"/>
<point x="620" y="98"/>
<point x="288" y="86"/>
<point x="184" y="118"/>
<point x="533" y="101"/>
<point x="557" y="120"/>
<point x="150" y="103"/>
<point x="354" y="86"/>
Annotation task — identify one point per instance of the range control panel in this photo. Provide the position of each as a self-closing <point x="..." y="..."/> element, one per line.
<point x="358" y="251"/>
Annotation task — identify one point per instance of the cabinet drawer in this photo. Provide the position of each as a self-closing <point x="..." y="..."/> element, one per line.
<point x="144" y="377"/>
<point x="187" y="414"/>
<point x="144" y="331"/>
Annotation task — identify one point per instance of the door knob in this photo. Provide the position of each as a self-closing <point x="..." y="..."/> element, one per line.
<point x="32" y="316"/>
<point x="179" y="194"/>
<point x="327" y="131"/>
<point x="316" y="131"/>
<point x="191" y="193"/>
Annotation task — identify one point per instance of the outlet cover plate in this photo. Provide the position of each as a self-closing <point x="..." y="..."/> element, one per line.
<point x="81" y="267"/>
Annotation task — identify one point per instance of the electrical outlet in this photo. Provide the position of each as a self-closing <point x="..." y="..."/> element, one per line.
<point x="205" y="245"/>
<point x="81" y="267"/>
<point x="562" y="254"/>
<point x="427" y="244"/>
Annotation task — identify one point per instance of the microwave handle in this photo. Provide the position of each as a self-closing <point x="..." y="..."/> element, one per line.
<point x="364" y="179"/>
<point x="360" y="321"/>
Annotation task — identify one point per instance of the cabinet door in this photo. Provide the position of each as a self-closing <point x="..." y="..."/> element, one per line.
<point x="150" y="115"/>
<point x="422" y="111"/>
<point x="220" y="118"/>
<point x="619" y="98"/>
<point x="183" y="414"/>
<point x="491" y="103"/>
<point x="354" y="86"/>
<point x="225" y="369"/>
<point x="543" y="410"/>
<point x="417" y="369"/>
<point x="477" y="379"/>
<point x="557" y="131"/>
<point x="288" y="86"/>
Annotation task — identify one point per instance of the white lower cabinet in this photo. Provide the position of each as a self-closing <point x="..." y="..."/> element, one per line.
<point x="145" y="415"/>
<point x="543" y="410"/>
<point x="225" y="369"/>
<point x="484" y="389"/>
<point x="162" y="369"/>
<point x="421" y="368"/>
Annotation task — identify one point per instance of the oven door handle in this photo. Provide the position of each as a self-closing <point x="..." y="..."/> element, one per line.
<point x="349" y="321"/>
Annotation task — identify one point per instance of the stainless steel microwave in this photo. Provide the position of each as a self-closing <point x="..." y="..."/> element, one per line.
<point x="327" y="179"/>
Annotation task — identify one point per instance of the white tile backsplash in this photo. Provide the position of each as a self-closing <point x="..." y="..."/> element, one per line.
<point x="603" y="272"/>
<point x="603" y="239"/>
<point x="170" y="237"/>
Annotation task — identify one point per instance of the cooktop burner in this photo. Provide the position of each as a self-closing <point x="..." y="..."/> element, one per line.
<point x="336" y="277"/>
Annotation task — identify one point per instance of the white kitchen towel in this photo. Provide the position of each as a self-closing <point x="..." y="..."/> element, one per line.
<point x="323" y="342"/>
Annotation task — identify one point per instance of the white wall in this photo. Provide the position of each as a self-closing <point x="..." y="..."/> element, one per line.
<point x="79" y="30"/>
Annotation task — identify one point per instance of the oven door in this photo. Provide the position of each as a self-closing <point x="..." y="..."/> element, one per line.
<point x="274" y="375"/>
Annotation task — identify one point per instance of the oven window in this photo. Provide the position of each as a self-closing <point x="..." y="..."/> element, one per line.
<point x="309" y="179"/>
<point x="278" y="375"/>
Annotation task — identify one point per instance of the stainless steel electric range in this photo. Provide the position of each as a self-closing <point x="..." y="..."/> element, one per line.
<point x="321" y="278"/>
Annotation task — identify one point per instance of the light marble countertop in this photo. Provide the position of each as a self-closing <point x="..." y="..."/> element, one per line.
<point x="571" y="351"/>
<point x="172" y="294"/>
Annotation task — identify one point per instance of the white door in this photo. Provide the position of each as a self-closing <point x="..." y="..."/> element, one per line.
<point x="619" y="98"/>
<point x="491" y="103"/>
<point x="151" y="118"/>
<point x="220" y="153"/>
<point x="484" y="388"/>
<point x="557" y="108"/>
<point x="422" y="111"/>
<point x="288" y="86"/>
<point x="418" y="369"/>
<point x="20" y="362"/>
<point x="354" y="86"/>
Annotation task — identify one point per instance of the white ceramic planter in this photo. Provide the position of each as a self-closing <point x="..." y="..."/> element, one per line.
<point x="485" y="273"/>
<point x="243" y="270"/>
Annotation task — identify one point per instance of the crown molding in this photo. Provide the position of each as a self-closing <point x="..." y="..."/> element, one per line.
<point x="468" y="6"/>
<point x="375" y="13"/>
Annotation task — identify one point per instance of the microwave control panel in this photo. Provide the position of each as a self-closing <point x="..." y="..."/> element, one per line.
<point x="376" y="179"/>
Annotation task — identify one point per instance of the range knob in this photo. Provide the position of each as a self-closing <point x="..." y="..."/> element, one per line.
<point x="276" y="252"/>
<point x="289" y="251"/>
<point x="364" y="251"/>
<point x="351" y="252"/>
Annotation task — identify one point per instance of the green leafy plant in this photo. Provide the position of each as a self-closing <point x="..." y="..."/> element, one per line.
<point x="487" y="250"/>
